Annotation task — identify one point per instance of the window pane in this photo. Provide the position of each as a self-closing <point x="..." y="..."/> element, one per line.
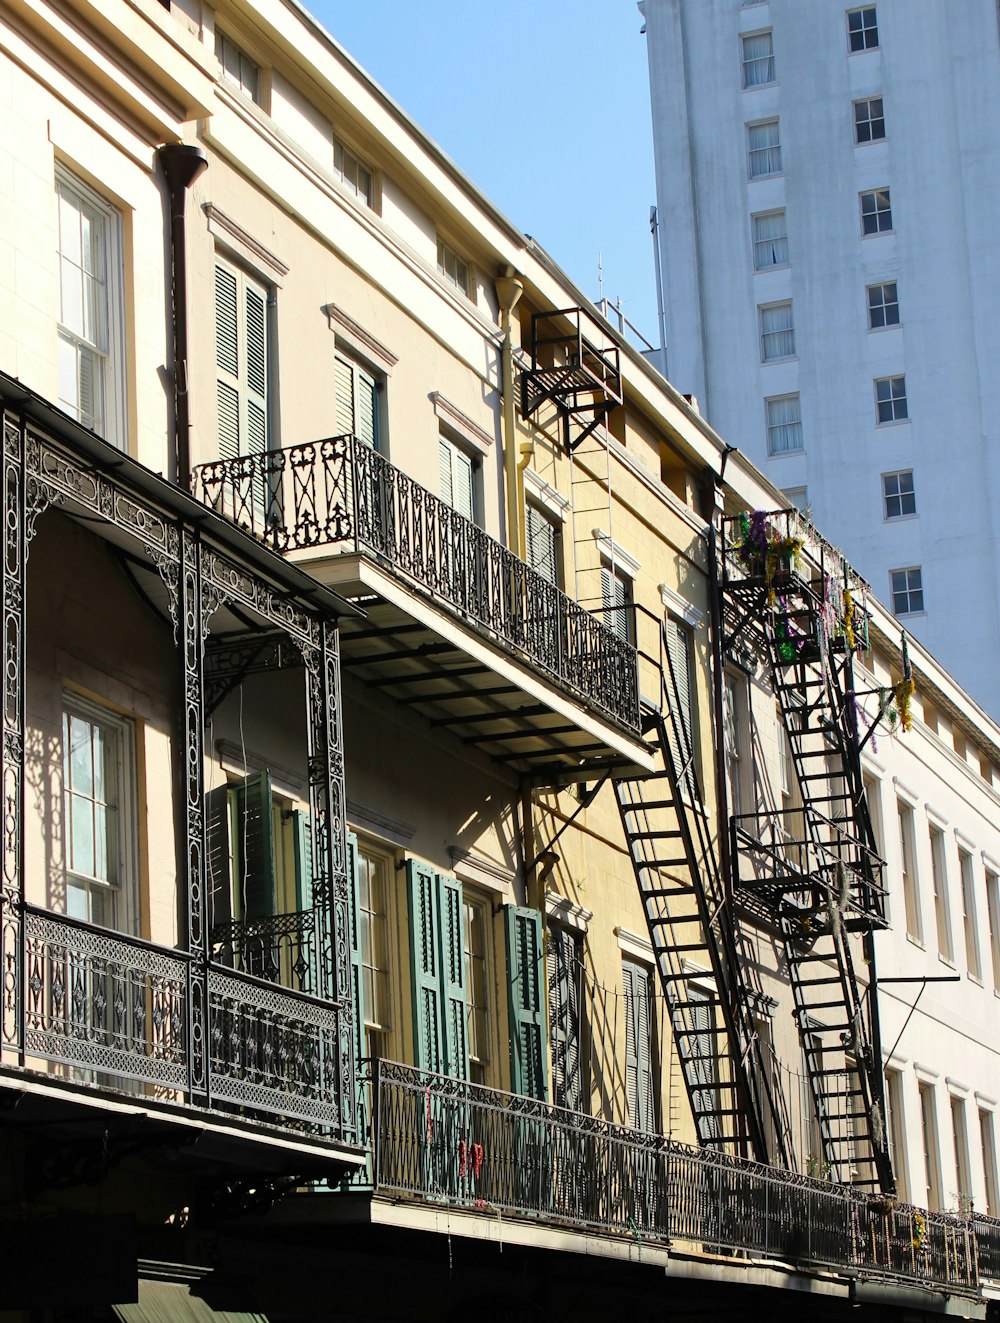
<point x="777" y="336"/>
<point x="770" y="240"/>
<point x="758" y="60"/>
<point x="784" y="425"/>
<point x="764" y="148"/>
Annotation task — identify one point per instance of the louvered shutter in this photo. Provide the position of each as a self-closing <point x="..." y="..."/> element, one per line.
<point x="525" y="981"/>
<point x="463" y="487"/>
<point x="680" y="720"/>
<point x="357" y="971"/>
<point x="254" y="846"/>
<point x="425" y="964"/>
<point x="444" y="462"/>
<point x="453" y="999"/>
<point x="256" y="378"/>
<point x="702" y="1050"/>
<point x="638" y="1048"/>
<point x="227" y="361"/>
<point x="563" y="976"/>
<point x="219" y="861"/>
<point x="542" y="541"/>
<point x="615" y="599"/>
<point x="307" y="956"/>
<point x="343" y="379"/>
<point x="241" y="357"/>
<point x="366" y="412"/>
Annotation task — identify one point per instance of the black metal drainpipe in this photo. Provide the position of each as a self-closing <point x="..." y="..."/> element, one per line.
<point x="181" y="164"/>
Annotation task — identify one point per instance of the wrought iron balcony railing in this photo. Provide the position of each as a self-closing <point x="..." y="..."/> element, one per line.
<point x="443" y="1141"/>
<point x="111" y="1008"/>
<point x="342" y="494"/>
<point x="281" y="948"/>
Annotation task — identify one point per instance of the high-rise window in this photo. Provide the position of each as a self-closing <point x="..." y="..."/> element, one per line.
<point x="616" y="595"/>
<point x="758" y="59"/>
<point x="968" y="879"/>
<point x="987" y="1142"/>
<point x="352" y="173"/>
<point x="784" y="424"/>
<point x="770" y="240"/>
<point x="890" y="399"/>
<point x="993" y="917"/>
<point x="358" y="401"/>
<point x="907" y="591"/>
<point x="236" y="66"/>
<point x="455" y="269"/>
<point x="91" y="354"/>
<point x="960" y="1140"/>
<point x="862" y="29"/>
<point x="883" y="306"/>
<point x="640" y="1075"/>
<point x="939" y="878"/>
<point x="869" y="120"/>
<point x="876" y="211"/>
<point x="914" y="927"/>
<point x="932" y="1156"/>
<point x="898" y="496"/>
<point x="764" y="149"/>
<point x="777" y="334"/>
<point x="543" y="540"/>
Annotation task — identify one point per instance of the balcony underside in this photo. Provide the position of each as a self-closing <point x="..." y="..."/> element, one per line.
<point x="415" y="650"/>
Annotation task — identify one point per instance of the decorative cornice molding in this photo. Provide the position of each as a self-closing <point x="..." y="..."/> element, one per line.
<point x="546" y="495"/>
<point x="460" y="422"/>
<point x="471" y="867"/>
<point x="680" y="607"/>
<point x="566" y="912"/>
<point x="355" y="337"/>
<point x="233" y="236"/>
<point x="616" y="554"/>
<point x="379" y="825"/>
<point x="639" y="948"/>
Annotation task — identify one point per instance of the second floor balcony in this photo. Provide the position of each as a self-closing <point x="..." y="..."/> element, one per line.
<point x="456" y="625"/>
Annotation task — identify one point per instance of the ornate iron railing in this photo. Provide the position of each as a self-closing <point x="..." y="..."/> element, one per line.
<point x="280" y="948"/>
<point x="343" y="494"/>
<point x="445" y="1141"/>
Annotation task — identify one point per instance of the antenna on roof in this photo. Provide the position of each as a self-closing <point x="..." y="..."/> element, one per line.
<point x="600" y="277"/>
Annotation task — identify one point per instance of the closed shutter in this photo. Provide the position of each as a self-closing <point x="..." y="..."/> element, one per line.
<point x="256" y="335"/>
<point x="357" y="971"/>
<point x="227" y="360"/>
<point x="680" y="725"/>
<point x="615" y="597"/>
<point x="219" y="856"/>
<point x="366" y="413"/>
<point x="702" y="1051"/>
<point x="458" y="478"/>
<point x="438" y="970"/>
<point x="525" y="979"/>
<point x="254" y="846"/>
<point x="343" y="375"/>
<point x="241" y="357"/>
<point x="563" y="971"/>
<point x="638" y="1048"/>
<point x="453" y="978"/>
<point x="444" y="465"/>
<point x="306" y="957"/>
<point x="542" y="545"/>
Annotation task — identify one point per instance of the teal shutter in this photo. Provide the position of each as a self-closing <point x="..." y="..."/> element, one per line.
<point x="638" y="1048"/>
<point x="302" y="824"/>
<point x="254" y="846"/>
<point x="526" y="979"/>
<point x="306" y="962"/>
<point x="453" y="978"/>
<point x="219" y="856"/>
<point x="425" y="965"/>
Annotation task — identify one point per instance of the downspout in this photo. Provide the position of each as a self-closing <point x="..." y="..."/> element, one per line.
<point x="181" y="164"/>
<point x="509" y="290"/>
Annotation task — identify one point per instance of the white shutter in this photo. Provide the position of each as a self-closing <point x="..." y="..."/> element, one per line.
<point x="366" y="413"/>
<point x="343" y="378"/>
<point x="241" y="357"/>
<point x="542" y="538"/>
<point x="444" y="458"/>
<point x="464" y="484"/>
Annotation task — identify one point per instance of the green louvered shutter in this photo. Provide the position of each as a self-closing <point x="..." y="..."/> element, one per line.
<point x="453" y="978"/>
<point x="638" y="1048"/>
<point x="526" y="981"/>
<point x="219" y="861"/>
<point x="425" y="964"/>
<point x="307" y="956"/>
<point x="254" y="846"/>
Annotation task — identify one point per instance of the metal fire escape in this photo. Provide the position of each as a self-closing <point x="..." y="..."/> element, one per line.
<point x="812" y="867"/>
<point x="576" y="367"/>
<point x="708" y="975"/>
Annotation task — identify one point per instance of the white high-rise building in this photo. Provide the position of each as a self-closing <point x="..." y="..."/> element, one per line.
<point x="828" y="183"/>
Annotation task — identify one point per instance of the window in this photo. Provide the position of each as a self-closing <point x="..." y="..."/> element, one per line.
<point x="355" y="176"/>
<point x="896" y="1131"/>
<point x="359" y="394"/>
<point x="939" y="878"/>
<point x="459" y="478"/>
<point x="98" y="816"/>
<point x="876" y="212"/>
<point x="639" y="1047"/>
<point x="437" y="969"/>
<point x="784" y="425"/>
<point x="967" y="874"/>
<point x="777" y="335"/>
<point x="987" y="1142"/>
<point x="564" y="976"/>
<point x="929" y="1134"/>
<point x="764" y="149"/>
<point x="914" y="928"/>
<point x="241" y="357"/>
<point x="237" y="67"/>
<point x="758" y="59"/>
<point x="907" y="591"/>
<point x="454" y="268"/>
<point x="960" y="1140"/>
<point x="90" y="352"/>
<point x="616" y="595"/>
<point x="529" y="1057"/>
<point x="993" y="918"/>
<point x="869" y="120"/>
<point x="734" y="711"/>
<point x="890" y="399"/>
<point x="862" y="29"/>
<point x="476" y="923"/>
<point x="543" y="544"/>
<point x="883" y="306"/>
<point x="770" y="240"/>
<point x="679" y="648"/>
<point x="374" y="872"/>
<point x="798" y="496"/>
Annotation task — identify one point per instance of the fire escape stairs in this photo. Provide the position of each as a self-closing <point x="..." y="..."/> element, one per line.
<point x="697" y="941"/>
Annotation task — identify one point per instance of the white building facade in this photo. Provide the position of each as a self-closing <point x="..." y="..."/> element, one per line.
<point x="827" y="181"/>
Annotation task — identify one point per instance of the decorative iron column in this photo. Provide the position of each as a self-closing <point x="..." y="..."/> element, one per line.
<point x="325" y="748"/>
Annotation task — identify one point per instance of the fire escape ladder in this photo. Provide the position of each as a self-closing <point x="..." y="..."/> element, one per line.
<point x="576" y="367"/>
<point x="708" y="974"/>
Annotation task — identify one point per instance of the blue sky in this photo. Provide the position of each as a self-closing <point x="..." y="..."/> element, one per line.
<point x="545" y="106"/>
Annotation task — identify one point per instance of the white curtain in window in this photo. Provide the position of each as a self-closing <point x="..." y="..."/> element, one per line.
<point x="777" y="335"/>
<point x="770" y="240"/>
<point x="765" y="148"/>
<point x="784" y="425"/>
<point x="758" y="60"/>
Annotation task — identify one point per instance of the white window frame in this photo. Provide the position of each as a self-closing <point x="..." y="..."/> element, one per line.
<point x="378" y="1032"/>
<point x="347" y="163"/>
<point x="227" y="45"/>
<point x="124" y="892"/>
<point x="898" y="495"/>
<point x="927" y="1094"/>
<point x="757" y="152"/>
<point x="939" y="883"/>
<point x="896" y="1128"/>
<point x="908" y="590"/>
<point x="883" y="306"/>
<point x="970" y="916"/>
<point x="878" y="212"/>
<point x="773" y="427"/>
<point x="798" y="496"/>
<point x="770" y="338"/>
<point x="908" y="871"/>
<point x="536" y="517"/>
<point x="988" y="1148"/>
<point x="481" y="1066"/>
<point x="616" y="614"/>
<point x="239" y="382"/>
<point x="993" y="921"/>
<point x="759" y="245"/>
<point x="750" y="85"/>
<point x="455" y="269"/>
<point x="107" y="345"/>
<point x="866" y="46"/>
<point x="895" y="400"/>
<point x="870" y="120"/>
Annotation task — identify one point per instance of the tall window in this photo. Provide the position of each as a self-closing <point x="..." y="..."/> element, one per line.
<point x="734" y="698"/>
<point x="784" y="424"/>
<point x="862" y="29"/>
<point x="987" y="1141"/>
<point x="358" y="399"/>
<point x="353" y="173"/>
<point x="898" y="497"/>
<point x="543" y="544"/>
<point x="939" y="877"/>
<point x="911" y="903"/>
<point x="932" y="1157"/>
<point x="455" y="269"/>
<point x="91" y="355"/>
<point x="640" y="1092"/>
<point x="876" y="212"/>
<point x="896" y="1131"/>
<point x="993" y="916"/>
<point x="770" y="240"/>
<point x="616" y="596"/>
<point x="236" y="67"/>
<point x="564" y="976"/>
<point x="98" y="796"/>
<point x="777" y="334"/>
<point x="890" y="399"/>
<point x="679" y="648"/>
<point x="758" y="59"/>
<point x="883" y="306"/>
<point x="475" y="930"/>
<point x="373" y="940"/>
<point x="907" y="591"/>
<point x="764" y="149"/>
<point x="960" y="1141"/>
<point x="459" y="478"/>
<point x="972" y="961"/>
<point x="869" y="120"/>
<point x="241" y="357"/>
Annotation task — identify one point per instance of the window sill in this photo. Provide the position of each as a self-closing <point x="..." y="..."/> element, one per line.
<point x="871" y="142"/>
<point x="899" y="519"/>
<point x="909" y="615"/>
<point x="877" y="234"/>
<point x="893" y="422"/>
<point x="915" y="941"/>
<point x="974" y="978"/>
<point x="785" y="454"/>
<point x="759" y="87"/>
<point x="786" y="358"/>
<point x="892" y="326"/>
<point x="757" y="179"/>
<point x="774" y="266"/>
<point x="944" y="960"/>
